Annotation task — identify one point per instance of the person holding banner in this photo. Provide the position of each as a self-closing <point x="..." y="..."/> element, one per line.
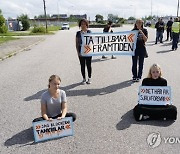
<point x="84" y="61"/>
<point x="142" y="111"/>
<point x="54" y="102"/>
<point x="140" y="52"/>
<point x="108" y="29"/>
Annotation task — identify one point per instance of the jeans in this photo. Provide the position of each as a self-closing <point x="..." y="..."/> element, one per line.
<point x="135" y="61"/>
<point x="159" y="36"/>
<point x="169" y="33"/>
<point x="175" y="40"/>
<point x="85" y="61"/>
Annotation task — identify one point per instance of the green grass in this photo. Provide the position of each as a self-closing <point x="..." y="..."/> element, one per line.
<point x="53" y="28"/>
<point x="5" y="39"/>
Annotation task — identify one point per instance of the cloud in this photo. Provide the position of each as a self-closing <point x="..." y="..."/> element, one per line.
<point x="123" y="8"/>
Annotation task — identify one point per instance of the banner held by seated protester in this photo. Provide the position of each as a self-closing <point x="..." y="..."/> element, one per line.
<point x="155" y="95"/>
<point x="45" y="130"/>
<point x="120" y="43"/>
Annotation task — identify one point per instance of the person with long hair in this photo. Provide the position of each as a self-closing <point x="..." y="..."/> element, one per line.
<point x="140" y="51"/>
<point x="84" y="61"/>
<point x="54" y="102"/>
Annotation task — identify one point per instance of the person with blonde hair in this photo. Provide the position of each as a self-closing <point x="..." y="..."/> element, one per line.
<point x="143" y="111"/>
<point x="54" y="102"/>
<point x="140" y="51"/>
<point x="154" y="77"/>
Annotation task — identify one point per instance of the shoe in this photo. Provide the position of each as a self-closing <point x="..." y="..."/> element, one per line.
<point x="156" y="43"/>
<point x="145" y="117"/>
<point x="89" y="81"/>
<point x="140" y="117"/>
<point x="161" y="42"/>
<point x="172" y="49"/>
<point x="175" y="49"/>
<point x="134" y="79"/>
<point x="103" y="57"/>
<point x="83" y="81"/>
<point x="137" y="80"/>
<point x="113" y="57"/>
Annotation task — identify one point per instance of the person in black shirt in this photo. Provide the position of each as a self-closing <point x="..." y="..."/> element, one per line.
<point x="169" y="29"/>
<point x="142" y="112"/>
<point x="159" y="30"/>
<point x="140" y="52"/>
<point x="108" y="29"/>
<point x="84" y="61"/>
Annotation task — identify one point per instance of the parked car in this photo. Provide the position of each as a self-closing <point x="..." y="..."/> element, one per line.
<point x="148" y="24"/>
<point x="65" y="26"/>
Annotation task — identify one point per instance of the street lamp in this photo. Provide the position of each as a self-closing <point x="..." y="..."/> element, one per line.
<point x="45" y="14"/>
<point x="178" y="9"/>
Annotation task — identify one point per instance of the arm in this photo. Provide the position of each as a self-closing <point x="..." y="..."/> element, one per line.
<point x="64" y="109"/>
<point x="77" y="46"/>
<point x="44" y="111"/>
<point x="144" y="36"/>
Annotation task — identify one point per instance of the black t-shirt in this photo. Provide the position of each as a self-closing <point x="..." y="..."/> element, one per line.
<point x="154" y="82"/>
<point x="78" y="36"/>
<point x="160" y="26"/>
<point x="106" y="29"/>
<point x="169" y="24"/>
<point x="140" y="44"/>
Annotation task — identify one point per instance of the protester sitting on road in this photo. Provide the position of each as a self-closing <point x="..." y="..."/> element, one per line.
<point x="154" y="78"/>
<point x="54" y="102"/>
<point x="84" y="61"/>
<point x="108" y="29"/>
<point x="140" y="52"/>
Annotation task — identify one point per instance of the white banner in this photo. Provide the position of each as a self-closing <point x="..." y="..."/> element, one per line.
<point x="45" y="130"/>
<point x="120" y="43"/>
<point x="155" y="95"/>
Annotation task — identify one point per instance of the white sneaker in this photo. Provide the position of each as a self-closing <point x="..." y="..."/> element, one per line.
<point x="89" y="81"/>
<point x="145" y="117"/>
<point x="83" y="81"/>
<point x="140" y="117"/>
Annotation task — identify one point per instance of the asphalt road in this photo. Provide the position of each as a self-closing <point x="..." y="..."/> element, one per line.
<point x="105" y="122"/>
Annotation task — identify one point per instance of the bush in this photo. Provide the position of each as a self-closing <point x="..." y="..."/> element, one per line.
<point x="3" y="29"/>
<point x="2" y="20"/>
<point x="25" y="24"/>
<point x="39" y="30"/>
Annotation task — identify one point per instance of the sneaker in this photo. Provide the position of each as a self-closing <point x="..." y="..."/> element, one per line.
<point x="83" y="81"/>
<point x="113" y="57"/>
<point x="140" y="117"/>
<point x="137" y="80"/>
<point x="134" y="79"/>
<point x="145" y="117"/>
<point x="89" y="81"/>
<point x="103" y="57"/>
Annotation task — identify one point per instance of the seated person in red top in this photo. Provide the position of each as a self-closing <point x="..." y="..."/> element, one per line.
<point x="141" y="111"/>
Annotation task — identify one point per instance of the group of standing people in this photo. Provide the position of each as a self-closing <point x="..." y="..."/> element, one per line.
<point x="173" y="31"/>
<point x="54" y="101"/>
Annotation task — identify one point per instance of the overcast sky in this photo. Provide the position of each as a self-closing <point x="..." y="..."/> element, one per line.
<point x="122" y="8"/>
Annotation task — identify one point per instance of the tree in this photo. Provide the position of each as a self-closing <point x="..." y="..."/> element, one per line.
<point x="131" y="18"/>
<point x="25" y="21"/>
<point x="3" y="27"/>
<point x="113" y="18"/>
<point x="99" y="18"/>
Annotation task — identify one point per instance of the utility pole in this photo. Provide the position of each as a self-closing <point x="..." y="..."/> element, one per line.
<point x="178" y="9"/>
<point x="45" y="14"/>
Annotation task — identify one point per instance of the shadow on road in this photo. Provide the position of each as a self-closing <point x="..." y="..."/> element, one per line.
<point x="128" y="119"/>
<point x="88" y="92"/>
<point x="164" y="51"/>
<point x="39" y="93"/>
<point x="25" y="137"/>
<point x="100" y="91"/>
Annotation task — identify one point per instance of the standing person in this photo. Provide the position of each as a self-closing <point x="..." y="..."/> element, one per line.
<point x="141" y="111"/>
<point x="159" y="30"/>
<point x="54" y="102"/>
<point x="84" y="61"/>
<point x="140" y="52"/>
<point x="175" y="33"/>
<point x="108" y="29"/>
<point x="169" y="29"/>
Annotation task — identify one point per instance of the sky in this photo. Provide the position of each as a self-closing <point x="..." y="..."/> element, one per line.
<point x="122" y="8"/>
